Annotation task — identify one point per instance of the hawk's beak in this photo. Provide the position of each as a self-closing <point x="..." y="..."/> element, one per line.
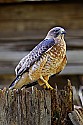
<point x="63" y="32"/>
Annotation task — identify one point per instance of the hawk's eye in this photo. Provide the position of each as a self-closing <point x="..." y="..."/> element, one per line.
<point x="55" y="32"/>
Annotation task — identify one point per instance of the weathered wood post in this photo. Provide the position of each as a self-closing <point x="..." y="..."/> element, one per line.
<point x="61" y="105"/>
<point x="35" y="107"/>
<point x="21" y="107"/>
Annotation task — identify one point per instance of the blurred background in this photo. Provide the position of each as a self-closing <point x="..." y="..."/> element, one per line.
<point x="23" y="24"/>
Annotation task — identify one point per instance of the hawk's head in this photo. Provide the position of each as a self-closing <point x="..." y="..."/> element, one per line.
<point x="56" y="32"/>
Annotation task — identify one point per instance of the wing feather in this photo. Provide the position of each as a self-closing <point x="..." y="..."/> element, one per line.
<point x="35" y="55"/>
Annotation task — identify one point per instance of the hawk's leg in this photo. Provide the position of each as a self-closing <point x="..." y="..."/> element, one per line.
<point x="46" y="77"/>
<point x="43" y="81"/>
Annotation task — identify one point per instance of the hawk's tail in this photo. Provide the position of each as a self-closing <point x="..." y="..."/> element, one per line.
<point x="15" y="81"/>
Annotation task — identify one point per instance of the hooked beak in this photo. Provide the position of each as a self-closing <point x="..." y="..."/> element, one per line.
<point x="63" y="32"/>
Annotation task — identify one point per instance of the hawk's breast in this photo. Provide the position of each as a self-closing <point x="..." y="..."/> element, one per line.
<point x="55" y="58"/>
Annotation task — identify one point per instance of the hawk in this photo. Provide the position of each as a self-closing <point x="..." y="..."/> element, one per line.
<point x="46" y="59"/>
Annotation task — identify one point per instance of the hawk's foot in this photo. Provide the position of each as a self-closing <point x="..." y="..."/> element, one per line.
<point x="42" y="82"/>
<point x="49" y="87"/>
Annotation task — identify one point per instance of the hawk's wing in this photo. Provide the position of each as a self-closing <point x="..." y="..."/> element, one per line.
<point x="31" y="58"/>
<point x="35" y="55"/>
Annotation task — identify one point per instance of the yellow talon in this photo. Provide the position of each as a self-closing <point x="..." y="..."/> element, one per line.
<point x="44" y="83"/>
<point x="49" y="87"/>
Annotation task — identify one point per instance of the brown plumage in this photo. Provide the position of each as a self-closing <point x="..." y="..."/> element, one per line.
<point x="46" y="59"/>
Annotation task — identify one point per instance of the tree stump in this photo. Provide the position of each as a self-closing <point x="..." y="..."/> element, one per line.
<point x="35" y="107"/>
<point x="61" y="105"/>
